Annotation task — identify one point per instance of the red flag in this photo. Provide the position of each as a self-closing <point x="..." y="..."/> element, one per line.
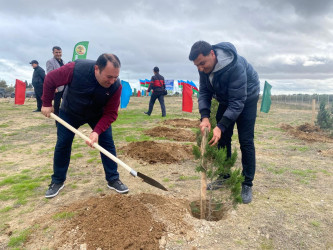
<point x="139" y="93"/>
<point x="19" y="92"/>
<point x="187" y="98"/>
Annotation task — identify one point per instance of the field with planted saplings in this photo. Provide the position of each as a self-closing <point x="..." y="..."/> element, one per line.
<point x="292" y="205"/>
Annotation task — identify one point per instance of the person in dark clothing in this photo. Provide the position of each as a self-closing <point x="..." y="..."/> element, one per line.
<point x="228" y="77"/>
<point x="54" y="63"/>
<point x="37" y="82"/>
<point x="92" y="95"/>
<point x="158" y="86"/>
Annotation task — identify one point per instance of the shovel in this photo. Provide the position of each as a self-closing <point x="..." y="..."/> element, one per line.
<point x="145" y="178"/>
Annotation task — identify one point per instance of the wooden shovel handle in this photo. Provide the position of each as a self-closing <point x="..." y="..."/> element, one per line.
<point x="96" y="145"/>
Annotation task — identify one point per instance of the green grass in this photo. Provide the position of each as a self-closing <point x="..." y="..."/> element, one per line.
<point x="6" y="209"/>
<point x="315" y="223"/>
<point x="267" y="244"/>
<point x="277" y="170"/>
<point x="63" y="216"/>
<point x="91" y="160"/>
<point x="308" y="173"/>
<point x="135" y="138"/>
<point x="76" y="156"/>
<point x="7" y="147"/>
<point x="185" y="178"/>
<point x="20" y="187"/>
<point x="16" y="241"/>
<point x="4" y="125"/>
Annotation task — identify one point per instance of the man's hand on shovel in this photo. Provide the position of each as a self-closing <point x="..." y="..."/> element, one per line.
<point x="47" y="111"/>
<point x="93" y="138"/>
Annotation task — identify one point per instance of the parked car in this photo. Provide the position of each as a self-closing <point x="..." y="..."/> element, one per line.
<point x="28" y="94"/>
<point x="2" y="92"/>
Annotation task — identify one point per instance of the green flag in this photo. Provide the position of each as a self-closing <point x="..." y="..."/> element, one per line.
<point x="80" y="50"/>
<point x="266" y="98"/>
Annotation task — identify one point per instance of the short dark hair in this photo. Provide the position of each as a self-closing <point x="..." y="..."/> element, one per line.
<point x="200" y="47"/>
<point x="104" y="58"/>
<point x="156" y="69"/>
<point x="56" y="47"/>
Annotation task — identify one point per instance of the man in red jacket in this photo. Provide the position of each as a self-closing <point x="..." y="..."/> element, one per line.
<point x="158" y="86"/>
<point x="92" y="96"/>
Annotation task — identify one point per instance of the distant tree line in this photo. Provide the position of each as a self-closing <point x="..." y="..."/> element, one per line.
<point x="302" y="98"/>
<point x="9" y="89"/>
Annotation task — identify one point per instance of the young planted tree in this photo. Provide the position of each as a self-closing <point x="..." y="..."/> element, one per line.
<point x="324" y="118"/>
<point x="214" y="163"/>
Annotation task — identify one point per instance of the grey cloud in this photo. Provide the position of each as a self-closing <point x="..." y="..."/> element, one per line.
<point x="148" y="33"/>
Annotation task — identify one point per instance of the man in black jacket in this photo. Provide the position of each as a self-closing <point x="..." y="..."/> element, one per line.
<point x="37" y="82"/>
<point x="234" y="83"/>
<point x="158" y="86"/>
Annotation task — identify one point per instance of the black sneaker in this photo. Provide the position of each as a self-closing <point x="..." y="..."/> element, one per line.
<point x="217" y="184"/>
<point x="246" y="194"/>
<point x="37" y="110"/>
<point x="118" y="186"/>
<point x="54" y="190"/>
<point x="147" y="113"/>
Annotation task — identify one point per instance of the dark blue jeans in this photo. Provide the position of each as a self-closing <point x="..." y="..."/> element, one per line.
<point x="63" y="148"/>
<point x="153" y="98"/>
<point x="245" y="126"/>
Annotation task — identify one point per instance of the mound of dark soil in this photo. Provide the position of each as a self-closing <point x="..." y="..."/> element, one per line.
<point x="154" y="152"/>
<point x="182" y="123"/>
<point x="307" y="127"/>
<point x="307" y="132"/>
<point x="176" y="134"/>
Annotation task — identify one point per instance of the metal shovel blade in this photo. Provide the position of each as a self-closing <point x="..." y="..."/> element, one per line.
<point x="151" y="181"/>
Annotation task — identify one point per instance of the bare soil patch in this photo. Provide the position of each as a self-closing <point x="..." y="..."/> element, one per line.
<point x="307" y="132"/>
<point x="154" y="152"/>
<point x="182" y="123"/>
<point x="171" y="133"/>
<point x="115" y="222"/>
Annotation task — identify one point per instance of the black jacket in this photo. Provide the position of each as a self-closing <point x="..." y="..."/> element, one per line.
<point x="157" y="83"/>
<point x="38" y="77"/>
<point x="84" y="97"/>
<point x="233" y="85"/>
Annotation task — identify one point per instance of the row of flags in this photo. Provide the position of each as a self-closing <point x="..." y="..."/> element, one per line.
<point x="170" y="83"/>
<point x="191" y="84"/>
<point x="188" y="87"/>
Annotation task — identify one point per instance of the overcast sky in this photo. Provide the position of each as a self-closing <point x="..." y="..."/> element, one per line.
<point x="289" y="43"/>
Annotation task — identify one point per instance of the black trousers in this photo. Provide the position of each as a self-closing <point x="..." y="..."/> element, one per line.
<point x="39" y="93"/>
<point x="57" y="101"/>
<point x="245" y="127"/>
<point x="160" y="97"/>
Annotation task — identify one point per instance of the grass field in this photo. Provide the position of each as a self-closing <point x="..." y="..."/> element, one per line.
<point x="293" y="189"/>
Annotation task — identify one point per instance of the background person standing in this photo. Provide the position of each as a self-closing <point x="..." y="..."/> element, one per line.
<point x="158" y="86"/>
<point x="54" y="63"/>
<point x="37" y="82"/>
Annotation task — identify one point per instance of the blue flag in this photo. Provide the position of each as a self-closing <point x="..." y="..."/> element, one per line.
<point x="169" y="85"/>
<point x="126" y="93"/>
